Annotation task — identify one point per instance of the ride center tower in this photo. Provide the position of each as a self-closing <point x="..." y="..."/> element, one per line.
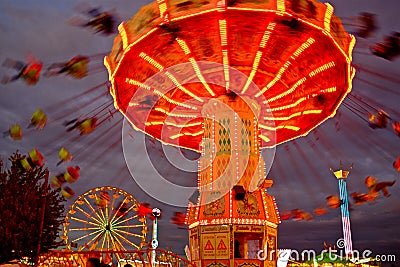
<point x="233" y="221"/>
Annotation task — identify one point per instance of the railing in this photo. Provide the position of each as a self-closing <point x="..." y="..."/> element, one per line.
<point x="136" y="258"/>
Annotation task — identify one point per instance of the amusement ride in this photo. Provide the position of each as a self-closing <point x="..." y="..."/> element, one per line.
<point x="225" y="79"/>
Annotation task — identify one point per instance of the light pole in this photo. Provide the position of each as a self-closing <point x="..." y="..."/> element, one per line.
<point x="154" y="242"/>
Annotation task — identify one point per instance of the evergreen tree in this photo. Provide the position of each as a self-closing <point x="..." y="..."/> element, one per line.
<point x="21" y="200"/>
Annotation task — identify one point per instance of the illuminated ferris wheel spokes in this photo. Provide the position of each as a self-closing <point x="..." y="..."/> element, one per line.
<point x="105" y="218"/>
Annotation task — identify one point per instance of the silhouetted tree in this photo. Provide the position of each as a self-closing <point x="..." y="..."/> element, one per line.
<point x="21" y="200"/>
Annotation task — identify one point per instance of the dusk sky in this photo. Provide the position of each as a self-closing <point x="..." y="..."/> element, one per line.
<point x="302" y="179"/>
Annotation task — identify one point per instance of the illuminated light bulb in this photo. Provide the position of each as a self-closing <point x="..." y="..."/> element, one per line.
<point x="182" y="88"/>
<point x="322" y="68"/>
<point x="183" y="45"/>
<point x="124" y="37"/>
<point x="175" y="114"/>
<point x="327" y="17"/>
<point x="151" y="61"/>
<point x="259" y="54"/>
<point x="280" y="5"/>
<point x="200" y="76"/>
<point x="223" y="32"/>
<point x="297" y="84"/>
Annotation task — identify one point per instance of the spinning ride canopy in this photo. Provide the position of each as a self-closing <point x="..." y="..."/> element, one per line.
<point x="295" y="57"/>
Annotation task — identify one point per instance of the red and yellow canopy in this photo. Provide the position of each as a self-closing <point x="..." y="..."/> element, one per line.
<point x="295" y="57"/>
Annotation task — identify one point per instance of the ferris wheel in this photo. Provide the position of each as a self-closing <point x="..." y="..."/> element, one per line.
<point x="104" y="218"/>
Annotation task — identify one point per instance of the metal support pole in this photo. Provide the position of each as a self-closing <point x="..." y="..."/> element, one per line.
<point x="154" y="241"/>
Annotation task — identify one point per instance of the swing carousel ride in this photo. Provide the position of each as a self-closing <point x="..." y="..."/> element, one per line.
<point x="225" y="79"/>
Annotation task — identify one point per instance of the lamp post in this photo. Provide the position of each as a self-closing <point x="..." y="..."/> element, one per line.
<point x="154" y="241"/>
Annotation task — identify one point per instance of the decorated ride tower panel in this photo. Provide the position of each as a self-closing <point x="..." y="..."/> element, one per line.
<point x="234" y="219"/>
